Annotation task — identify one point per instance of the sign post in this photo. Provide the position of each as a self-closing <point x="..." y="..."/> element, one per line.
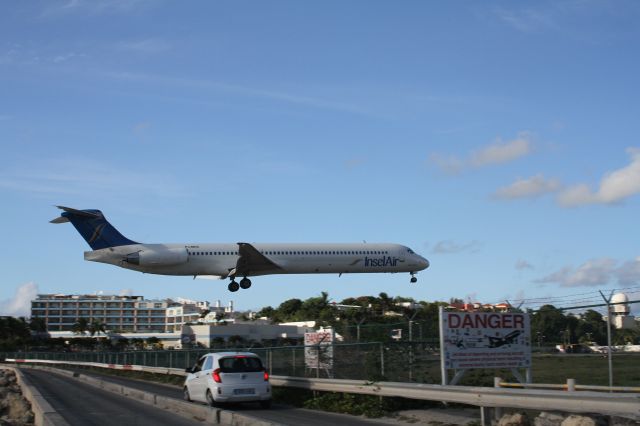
<point x="318" y="351"/>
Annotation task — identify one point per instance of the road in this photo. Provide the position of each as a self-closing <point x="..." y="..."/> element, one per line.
<point x="281" y="414"/>
<point x="82" y="404"/>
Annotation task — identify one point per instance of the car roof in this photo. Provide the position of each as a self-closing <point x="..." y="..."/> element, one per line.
<point x="223" y="354"/>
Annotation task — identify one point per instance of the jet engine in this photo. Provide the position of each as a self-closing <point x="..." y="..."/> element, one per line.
<point x="158" y="257"/>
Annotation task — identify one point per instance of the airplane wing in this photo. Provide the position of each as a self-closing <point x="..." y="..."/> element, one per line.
<point x="252" y="262"/>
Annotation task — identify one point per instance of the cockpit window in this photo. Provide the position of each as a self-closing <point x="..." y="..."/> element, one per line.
<point x="410" y="251"/>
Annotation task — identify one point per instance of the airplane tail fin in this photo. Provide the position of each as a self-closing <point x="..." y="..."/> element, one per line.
<point x="93" y="227"/>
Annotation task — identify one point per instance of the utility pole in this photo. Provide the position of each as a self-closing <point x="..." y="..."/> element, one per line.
<point x="358" y="329"/>
<point x="608" y="302"/>
<point x="410" y="318"/>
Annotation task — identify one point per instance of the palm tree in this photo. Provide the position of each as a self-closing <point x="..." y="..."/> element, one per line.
<point x="81" y="326"/>
<point x="97" y="327"/>
<point x="38" y="325"/>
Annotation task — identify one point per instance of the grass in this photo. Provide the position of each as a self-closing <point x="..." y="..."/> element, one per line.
<point x="556" y="369"/>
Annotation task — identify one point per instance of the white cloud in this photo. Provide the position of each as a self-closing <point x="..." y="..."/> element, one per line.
<point x="629" y="272"/>
<point x="450" y="247"/>
<point x="534" y="186"/>
<point x="594" y="272"/>
<point x="614" y="186"/>
<point x="502" y="152"/>
<point x="523" y="264"/>
<point x="498" y="152"/>
<point x="20" y="304"/>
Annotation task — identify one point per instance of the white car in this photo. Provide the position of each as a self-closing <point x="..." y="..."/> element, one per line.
<point x="228" y="377"/>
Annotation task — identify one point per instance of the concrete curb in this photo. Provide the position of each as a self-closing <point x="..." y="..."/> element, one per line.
<point x="190" y="410"/>
<point x="44" y="414"/>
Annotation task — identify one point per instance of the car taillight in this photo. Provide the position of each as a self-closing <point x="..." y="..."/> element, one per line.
<point x="266" y="376"/>
<point x="216" y="375"/>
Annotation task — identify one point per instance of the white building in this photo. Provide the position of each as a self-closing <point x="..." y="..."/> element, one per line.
<point x="179" y="315"/>
<point x="205" y="334"/>
<point x="621" y="317"/>
<point x="118" y="313"/>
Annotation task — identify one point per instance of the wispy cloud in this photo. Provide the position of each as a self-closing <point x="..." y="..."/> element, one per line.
<point x="614" y="187"/>
<point x="210" y="85"/>
<point x="56" y="9"/>
<point x="80" y="176"/>
<point x="629" y="272"/>
<point x="146" y="46"/>
<point x="532" y="187"/>
<point x="31" y="54"/>
<point x="451" y="247"/>
<point x="522" y="264"/>
<point x="498" y="152"/>
<point x="596" y="272"/>
<point x="526" y="20"/>
<point x="20" y="304"/>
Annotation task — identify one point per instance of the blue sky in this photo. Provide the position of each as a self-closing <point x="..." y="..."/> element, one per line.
<point x="498" y="139"/>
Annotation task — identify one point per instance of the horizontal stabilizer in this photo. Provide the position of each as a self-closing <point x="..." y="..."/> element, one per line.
<point x="82" y="213"/>
<point x="60" y="219"/>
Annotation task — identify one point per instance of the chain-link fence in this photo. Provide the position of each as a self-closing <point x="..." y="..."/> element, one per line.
<point x="396" y="361"/>
<point x="401" y="361"/>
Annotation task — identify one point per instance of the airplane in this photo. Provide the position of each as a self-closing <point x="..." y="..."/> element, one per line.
<point x="509" y="339"/>
<point x="229" y="260"/>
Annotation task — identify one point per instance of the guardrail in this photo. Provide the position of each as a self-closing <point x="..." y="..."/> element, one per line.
<point x="189" y="410"/>
<point x="625" y="405"/>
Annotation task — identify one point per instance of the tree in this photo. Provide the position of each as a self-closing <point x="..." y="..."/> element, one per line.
<point x="154" y="342"/>
<point x="592" y="328"/>
<point x="14" y="333"/>
<point x="81" y="326"/>
<point x="38" y="325"/>
<point x="236" y="340"/>
<point x="97" y="327"/>
<point x="548" y="323"/>
<point x="625" y="337"/>
<point x="288" y="310"/>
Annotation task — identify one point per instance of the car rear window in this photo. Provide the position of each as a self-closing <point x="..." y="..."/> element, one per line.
<point x="240" y="364"/>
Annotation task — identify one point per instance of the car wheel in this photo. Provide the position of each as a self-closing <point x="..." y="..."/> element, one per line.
<point x="265" y="404"/>
<point x="185" y="394"/>
<point x="210" y="400"/>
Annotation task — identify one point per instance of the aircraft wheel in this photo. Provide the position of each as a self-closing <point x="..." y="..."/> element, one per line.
<point x="233" y="286"/>
<point x="414" y="280"/>
<point x="245" y="283"/>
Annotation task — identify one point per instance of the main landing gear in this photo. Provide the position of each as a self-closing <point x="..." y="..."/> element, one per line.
<point x="245" y="283"/>
<point x="413" y="279"/>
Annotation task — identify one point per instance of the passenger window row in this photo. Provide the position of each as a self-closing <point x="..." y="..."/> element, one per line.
<point x="292" y="253"/>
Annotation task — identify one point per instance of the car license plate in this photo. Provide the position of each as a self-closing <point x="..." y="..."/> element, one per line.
<point x="246" y="391"/>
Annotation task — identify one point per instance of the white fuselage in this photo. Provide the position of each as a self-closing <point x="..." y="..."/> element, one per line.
<point x="220" y="259"/>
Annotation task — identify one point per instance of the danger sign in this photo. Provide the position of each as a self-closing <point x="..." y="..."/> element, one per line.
<point x="485" y="340"/>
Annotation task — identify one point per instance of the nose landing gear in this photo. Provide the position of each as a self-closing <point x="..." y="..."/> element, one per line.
<point x="413" y="279"/>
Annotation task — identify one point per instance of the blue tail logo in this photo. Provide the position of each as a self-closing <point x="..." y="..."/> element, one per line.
<point x="93" y="227"/>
